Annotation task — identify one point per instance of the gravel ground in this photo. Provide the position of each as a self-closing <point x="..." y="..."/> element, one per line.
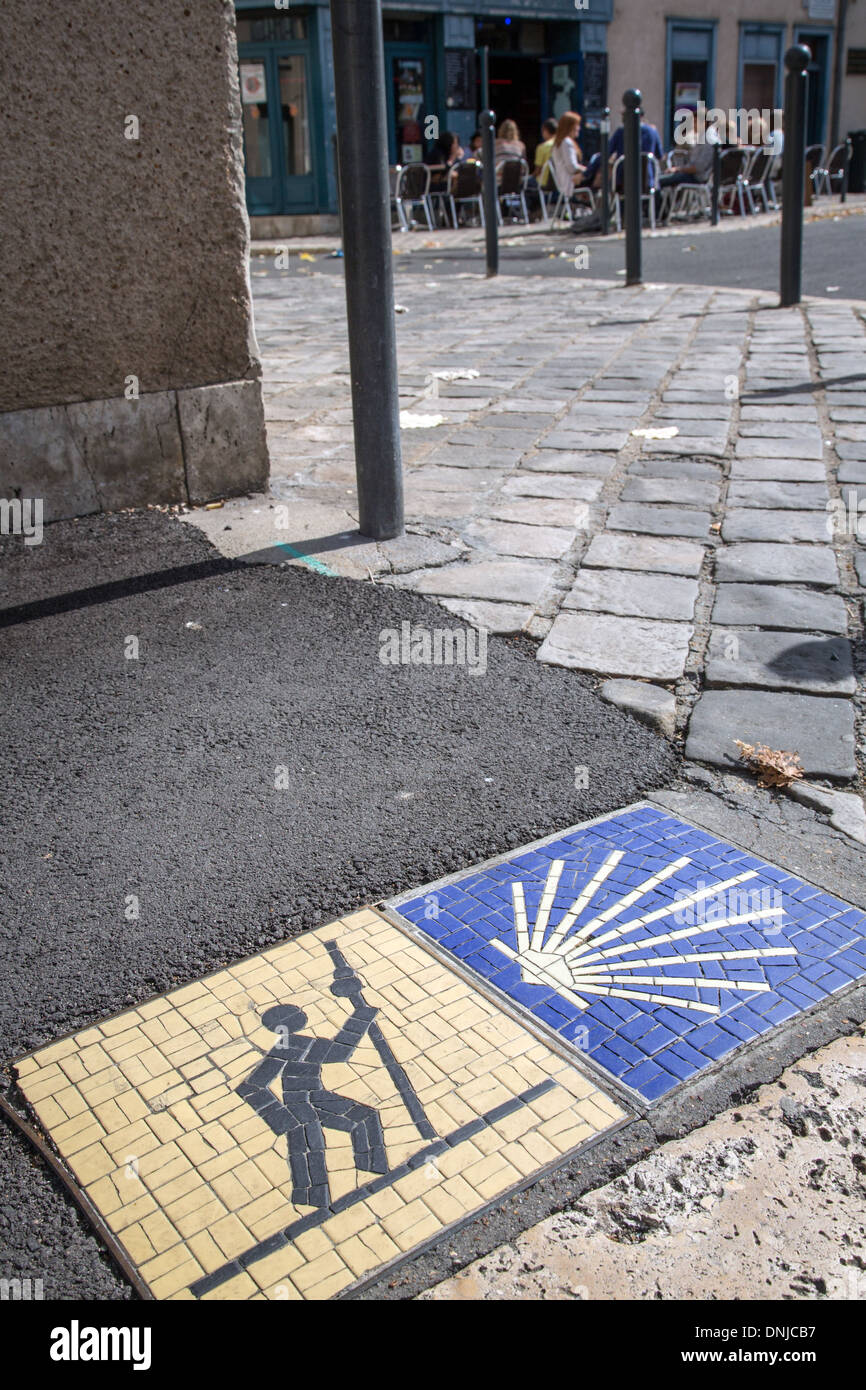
<point x="764" y="1202"/>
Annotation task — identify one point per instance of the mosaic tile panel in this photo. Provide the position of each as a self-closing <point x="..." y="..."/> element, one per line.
<point x="649" y="945"/>
<point x="288" y="1126"/>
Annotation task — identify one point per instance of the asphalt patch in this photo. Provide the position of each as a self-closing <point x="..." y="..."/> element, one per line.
<point x="147" y="786"/>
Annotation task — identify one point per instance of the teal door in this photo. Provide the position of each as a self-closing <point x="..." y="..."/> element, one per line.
<point x="279" y="128"/>
<point x="817" y="89"/>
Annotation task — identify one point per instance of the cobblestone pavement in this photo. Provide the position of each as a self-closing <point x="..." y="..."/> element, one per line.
<point x="660" y="485"/>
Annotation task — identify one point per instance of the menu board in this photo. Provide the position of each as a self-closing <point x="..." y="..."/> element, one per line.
<point x="594" y="83"/>
<point x="460" y="83"/>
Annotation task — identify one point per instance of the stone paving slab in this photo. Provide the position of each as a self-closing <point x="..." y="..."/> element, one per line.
<point x="504" y="618"/>
<point x="781" y="448"/>
<point x="506" y="423"/>
<point x="658" y="521"/>
<point x="820" y="730"/>
<point x="306" y="1117"/>
<point x="777" y="564"/>
<point x="464" y="456"/>
<point x="508" y="581"/>
<point x="675" y="490"/>
<point x="615" y="646"/>
<point x="651" y="947"/>
<point x="702" y="445"/>
<point x="435" y="505"/>
<point x="675" y="468"/>
<point x="565" y="461"/>
<point x="632" y="594"/>
<point x="779" y="606"/>
<point x="755" y="524"/>
<point x="436" y="474"/>
<point x="644" y="553"/>
<point x="509" y="538"/>
<point x="778" y="470"/>
<point x="498" y="440"/>
<point x="649" y="703"/>
<point x="591" y="440"/>
<point x="810" y="662"/>
<point x="802" y="497"/>
<point x="576" y="488"/>
<point x="538" y="511"/>
<point x="755" y="427"/>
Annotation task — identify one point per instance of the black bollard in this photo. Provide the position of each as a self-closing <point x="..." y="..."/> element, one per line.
<point x="365" y="203"/>
<point x="846" y="171"/>
<point x="797" y="60"/>
<point x="485" y="78"/>
<point x="633" y="187"/>
<point x="605" y="172"/>
<point x="491" y="199"/>
<point x="717" y="180"/>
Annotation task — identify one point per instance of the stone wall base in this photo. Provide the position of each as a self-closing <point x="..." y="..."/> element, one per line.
<point x="310" y="224"/>
<point x="193" y="445"/>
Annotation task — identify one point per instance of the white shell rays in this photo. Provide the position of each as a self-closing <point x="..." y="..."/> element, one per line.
<point x="578" y="961"/>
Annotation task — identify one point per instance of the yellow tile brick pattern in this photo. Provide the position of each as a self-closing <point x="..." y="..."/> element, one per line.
<point x="187" y="1176"/>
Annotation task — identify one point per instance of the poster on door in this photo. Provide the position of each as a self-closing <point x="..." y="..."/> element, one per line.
<point x="253" y="84"/>
<point x="409" y="103"/>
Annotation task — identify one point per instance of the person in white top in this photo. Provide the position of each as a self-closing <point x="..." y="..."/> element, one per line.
<point x="566" y="159"/>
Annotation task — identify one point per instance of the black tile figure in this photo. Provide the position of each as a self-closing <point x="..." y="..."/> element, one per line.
<point x="307" y="1108"/>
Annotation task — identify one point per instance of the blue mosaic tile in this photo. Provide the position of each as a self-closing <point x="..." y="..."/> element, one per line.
<point x="645" y="943"/>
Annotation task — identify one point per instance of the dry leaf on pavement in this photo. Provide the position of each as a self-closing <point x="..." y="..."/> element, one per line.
<point x="774" y="767"/>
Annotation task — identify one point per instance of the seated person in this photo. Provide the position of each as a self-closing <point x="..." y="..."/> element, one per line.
<point x="698" y="169"/>
<point x="650" y="143"/>
<point x="447" y="152"/>
<point x="566" y="158"/>
<point x="476" y="145"/>
<point x="541" y="171"/>
<point x="508" y="142"/>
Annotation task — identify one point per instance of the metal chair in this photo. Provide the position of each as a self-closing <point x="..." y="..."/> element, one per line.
<point x="675" y="158"/>
<point x="549" y="197"/>
<point x="686" y="200"/>
<point x="815" y="158"/>
<point x="413" y="188"/>
<point x="568" y="196"/>
<point x="773" y="178"/>
<point x="513" y="175"/>
<point x="755" y="177"/>
<point x="438" y="195"/>
<point x="650" y="180"/>
<point x="835" y="171"/>
<point x="732" y="189"/>
<point x="466" y="185"/>
<point x="396" y="206"/>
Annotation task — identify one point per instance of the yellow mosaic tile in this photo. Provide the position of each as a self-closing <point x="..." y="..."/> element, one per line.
<point x="293" y="1123"/>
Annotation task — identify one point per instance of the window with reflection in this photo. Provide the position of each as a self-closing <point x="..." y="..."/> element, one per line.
<point x="263" y="26"/>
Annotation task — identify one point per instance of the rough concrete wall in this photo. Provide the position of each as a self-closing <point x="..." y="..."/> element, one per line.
<point x="121" y="257"/>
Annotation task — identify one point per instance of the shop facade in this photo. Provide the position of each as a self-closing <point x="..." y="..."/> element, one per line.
<point x="730" y="55"/>
<point x="545" y="57"/>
